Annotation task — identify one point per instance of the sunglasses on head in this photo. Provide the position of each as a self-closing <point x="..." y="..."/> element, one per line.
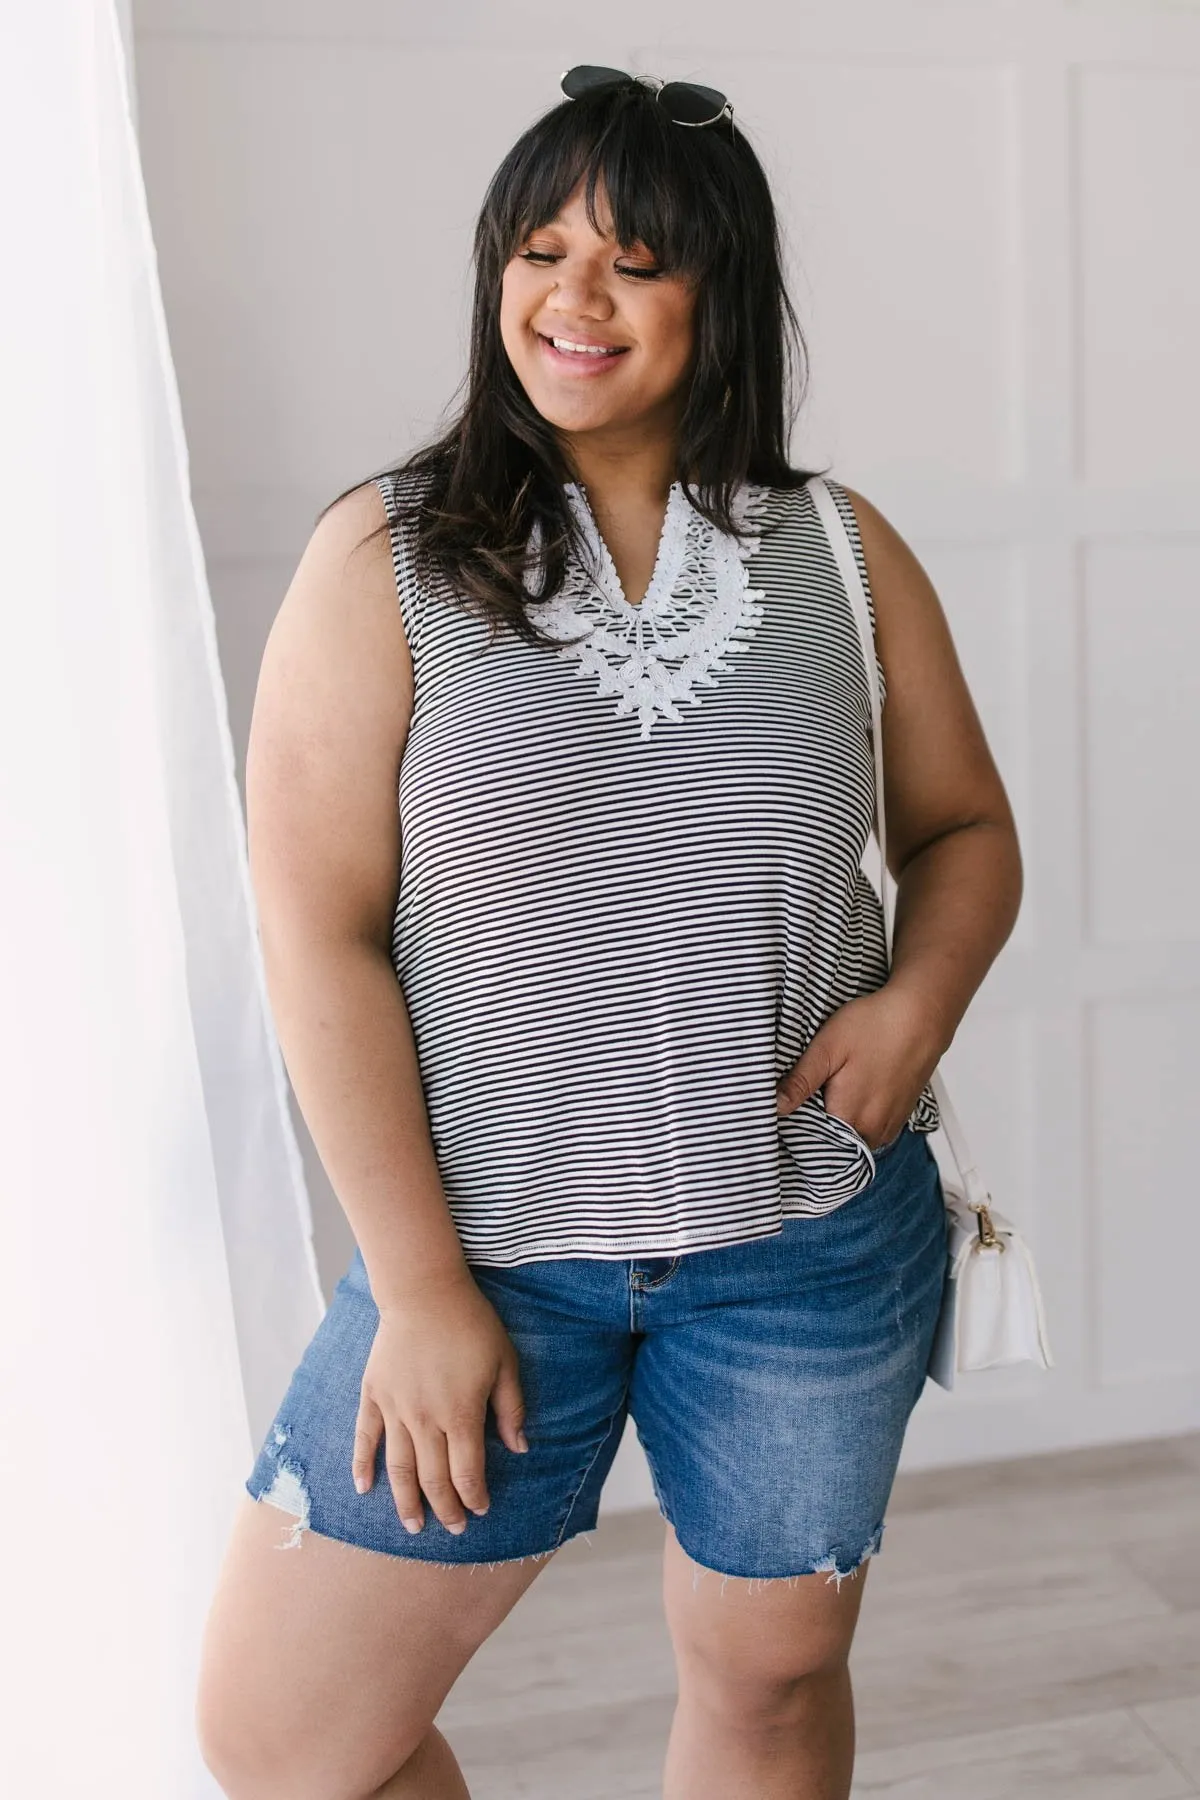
<point x="684" y="101"/>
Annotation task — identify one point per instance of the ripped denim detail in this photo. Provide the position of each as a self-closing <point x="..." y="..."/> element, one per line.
<point x="835" y="1569"/>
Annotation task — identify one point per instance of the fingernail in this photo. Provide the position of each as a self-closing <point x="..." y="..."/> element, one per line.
<point x="479" y="1511"/>
<point x="360" y="1482"/>
<point x="457" y="1529"/>
<point x="522" y="1441"/>
<point x="411" y="1524"/>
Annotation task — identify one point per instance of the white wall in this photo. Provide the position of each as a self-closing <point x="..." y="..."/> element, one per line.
<point x="988" y="209"/>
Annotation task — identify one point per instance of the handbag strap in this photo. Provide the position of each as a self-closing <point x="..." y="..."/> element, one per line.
<point x="839" y="542"/>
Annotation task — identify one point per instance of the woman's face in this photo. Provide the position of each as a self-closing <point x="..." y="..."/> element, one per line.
<point x="600" y="343"/>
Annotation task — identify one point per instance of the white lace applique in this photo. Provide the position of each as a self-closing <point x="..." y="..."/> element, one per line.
<point x="698" y="608"/>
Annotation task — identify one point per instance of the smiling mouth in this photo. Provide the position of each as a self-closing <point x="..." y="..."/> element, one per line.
<point x="568" y="351"/>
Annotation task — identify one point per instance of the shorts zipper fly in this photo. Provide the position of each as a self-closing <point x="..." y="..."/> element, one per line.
<point x="644" y="1274"/>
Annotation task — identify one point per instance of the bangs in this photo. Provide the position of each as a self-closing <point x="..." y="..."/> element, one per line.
<point x="699" y="200"/>
<point x="668" y="186"/>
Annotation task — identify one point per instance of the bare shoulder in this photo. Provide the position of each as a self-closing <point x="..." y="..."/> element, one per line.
<point x="339" y="631"/>
<point x="344" y="582"/>
<point x="330" y="722"/>
<point x="915" y="644"/>
<point x="939" y="770"/>
<point x="870" y="520"/>
<point x="900" y="586"/>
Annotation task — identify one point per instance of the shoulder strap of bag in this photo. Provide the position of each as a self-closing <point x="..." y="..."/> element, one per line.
<point x="839" y="543"/>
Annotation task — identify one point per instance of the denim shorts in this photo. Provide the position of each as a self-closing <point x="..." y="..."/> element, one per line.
<point x="770" y="1384"/>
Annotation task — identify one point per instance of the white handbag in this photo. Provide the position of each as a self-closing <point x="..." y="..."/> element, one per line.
<point x="992" y="1313"/>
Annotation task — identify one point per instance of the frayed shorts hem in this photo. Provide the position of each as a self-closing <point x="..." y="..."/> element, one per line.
<point x="297" y="1524"/>
<point x="835" y="1568"/>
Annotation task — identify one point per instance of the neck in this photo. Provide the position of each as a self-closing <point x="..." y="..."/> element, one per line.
<point x="618" y="474"/>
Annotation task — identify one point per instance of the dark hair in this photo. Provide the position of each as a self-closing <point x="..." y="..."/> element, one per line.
<point x="699" y="200"/>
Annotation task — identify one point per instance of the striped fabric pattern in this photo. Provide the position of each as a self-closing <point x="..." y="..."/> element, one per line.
<point x="613" y="940"/>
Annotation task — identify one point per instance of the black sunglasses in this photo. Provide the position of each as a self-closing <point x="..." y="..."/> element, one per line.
<point x="685" y="102"/>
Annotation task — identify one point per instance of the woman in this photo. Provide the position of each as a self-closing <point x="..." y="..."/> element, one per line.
<point x="623" y="1107"/>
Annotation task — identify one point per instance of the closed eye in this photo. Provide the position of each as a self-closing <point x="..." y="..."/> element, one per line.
<point x="542" y="257"/>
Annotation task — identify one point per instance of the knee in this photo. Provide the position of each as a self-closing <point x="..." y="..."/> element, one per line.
<point x="238" y="1767"/>
<point x="763" y="1702"/>
<point x="244" y="1764"/>
<point x="250" y="1762"/>
<point x="762" y="1686"/>
<point x="252" y="1757"/>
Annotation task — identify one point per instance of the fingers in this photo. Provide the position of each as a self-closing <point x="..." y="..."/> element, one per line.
<point x="508" y="1404"/>
<point x="403" y="1476"/>
<point x="408" y="1472"/>
<point x="805" y="1076"/>
<point x="446" y="1467"/>
<point x="438" y="1452"/>
<point x="465" y="1456"/>
<point x="367" y="1429"/>
<point x="436" y="1481"/>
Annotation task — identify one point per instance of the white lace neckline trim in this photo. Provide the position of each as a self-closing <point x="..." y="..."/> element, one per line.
<point x="699" y="607"/>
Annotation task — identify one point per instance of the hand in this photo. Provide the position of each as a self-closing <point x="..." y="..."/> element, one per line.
<point x="435" y="1363"/>
<point x="872" y="1057"/>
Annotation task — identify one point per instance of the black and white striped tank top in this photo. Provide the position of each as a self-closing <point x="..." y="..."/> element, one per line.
<point x="630" y="889"/>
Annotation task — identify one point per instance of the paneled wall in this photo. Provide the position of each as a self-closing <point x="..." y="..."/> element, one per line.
<point x="991" y="219"/>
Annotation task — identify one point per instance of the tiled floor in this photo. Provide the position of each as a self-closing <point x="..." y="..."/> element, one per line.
<point x="1031" y="1630"/>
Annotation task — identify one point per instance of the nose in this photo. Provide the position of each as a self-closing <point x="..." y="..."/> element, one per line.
<point x="579" y="292"/>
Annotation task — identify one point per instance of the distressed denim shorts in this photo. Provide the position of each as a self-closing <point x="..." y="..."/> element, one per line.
<point x="770" y="1384"/>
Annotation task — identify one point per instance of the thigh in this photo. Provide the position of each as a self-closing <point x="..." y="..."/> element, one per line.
<point x="335" y="1634"/>
<point x="321" y="1671"/>
<point x="773" y="1387"/>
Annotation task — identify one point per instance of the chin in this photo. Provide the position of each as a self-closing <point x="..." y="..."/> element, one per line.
<point x="569" y="418"/>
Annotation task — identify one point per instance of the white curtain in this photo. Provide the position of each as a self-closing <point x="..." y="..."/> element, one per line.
<point x="158" y="1279"/>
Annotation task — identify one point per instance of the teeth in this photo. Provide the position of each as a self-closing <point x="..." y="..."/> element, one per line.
<point x="583" y="349"/>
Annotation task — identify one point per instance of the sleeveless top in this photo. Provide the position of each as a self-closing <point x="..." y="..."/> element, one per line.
<point x="630" y="888"/>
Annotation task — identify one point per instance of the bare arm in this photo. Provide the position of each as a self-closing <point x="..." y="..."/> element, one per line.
<point x="952" y="840"/>
<point x="330" y="722"/>
<point x="952" y="847"/>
